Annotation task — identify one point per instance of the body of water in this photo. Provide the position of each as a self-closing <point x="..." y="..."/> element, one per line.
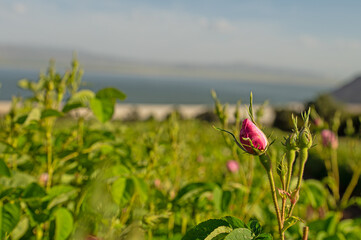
<point x="174" y="90"/>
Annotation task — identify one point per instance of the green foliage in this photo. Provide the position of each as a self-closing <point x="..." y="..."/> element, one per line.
<point x="227" y="228"/>
<point x="66" y="175"/>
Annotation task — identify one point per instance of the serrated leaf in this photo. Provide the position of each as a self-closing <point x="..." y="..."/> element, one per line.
<point x="220" y="236"/>
<point x="290" y="221"/>
<point x="235" y="222"/>
<point x="255" y="226"/>
<point x="4" y="170"/>
<point x="219" y="233"/>
<point x="264" y="236"/>
<point x="63" y="224"/>
<point x="239" y="234"/>
<point x="202" y="230"/>
<point x="10" y="216"/>
<point x="82" y="96"/>
<point x="79" y="99"/>
<point x="20" y="228"/>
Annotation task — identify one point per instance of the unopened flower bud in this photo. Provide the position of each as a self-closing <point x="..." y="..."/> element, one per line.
<point x="252" y="138"/>
<point x="232" y="166"/>
<point x="329" y="139"/>
<point x="291" y="142"/>
<point x="305" y="138"/>
<point x="43" y="179"/>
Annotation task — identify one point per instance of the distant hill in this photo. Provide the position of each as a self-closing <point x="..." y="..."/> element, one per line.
<point x="350" y="92"/>
<point x="29" y="57"/>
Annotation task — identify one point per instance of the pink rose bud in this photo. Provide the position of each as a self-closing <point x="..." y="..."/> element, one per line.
<point x="232" y="166"/>
<point x="250" y="133"/>
<point x="329" y="139"/>
<point x="43" y="179"/>
<point x="157" y="183"/>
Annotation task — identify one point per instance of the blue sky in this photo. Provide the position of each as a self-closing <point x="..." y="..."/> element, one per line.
<point x="318" y="36"/>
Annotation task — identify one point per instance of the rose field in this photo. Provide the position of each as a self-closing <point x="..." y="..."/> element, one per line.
<point x="68" y="170"/>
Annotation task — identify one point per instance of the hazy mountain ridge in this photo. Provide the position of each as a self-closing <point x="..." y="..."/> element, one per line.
<point x="28" y="57"/>
<point x="349" y="92"/>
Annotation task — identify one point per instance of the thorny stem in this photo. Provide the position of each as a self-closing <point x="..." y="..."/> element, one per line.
<point x="274" y="198"/>
<point x="305" y="233"/>
<point x="303" y="158"/>
<point x="266" y="163"/>
<point x="291" y="155"/>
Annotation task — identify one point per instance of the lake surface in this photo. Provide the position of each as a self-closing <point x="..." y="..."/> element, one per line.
<point x="173" y="90"/>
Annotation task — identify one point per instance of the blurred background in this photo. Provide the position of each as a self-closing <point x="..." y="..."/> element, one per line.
<point x="175" y="52"/>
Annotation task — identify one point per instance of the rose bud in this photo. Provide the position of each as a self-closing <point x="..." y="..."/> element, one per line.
<point x="252" y="138"/>
<point x="329" y="139"/>
<point x="232" y="166"/>
<point x="305" y="138"/>
<point x="43" y="179"/>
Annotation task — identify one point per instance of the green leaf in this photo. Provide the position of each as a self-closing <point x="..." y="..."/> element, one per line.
<point x="70" y="106"/>
<point x="239" y="234"/>
<point x="34" y="115"/>
<point x="141" y="188"/>
<point x="235" y="222"/>
<point x="60" y="194"/>
<point x="202" y="230"/>
<point x="226" y="200"/>
<point x="33" y="190"/>
<point x="220" y="236"/>
<point x="20" y="228"/>
<point x="315" y="193"/>
<point x="24" y="83"/>
<point x="264" y="236"/>
<point x="4" y="170"/>
<point x="255" y="226"/>
<point x="217" y="198"/>
<point x="118" y="189"/>
<point x="289" y="222"/>
<point x="79" y="99"/>
<point x="63" y="224"/>
<point x="82" y="96"/>
<point x="193" y="189"/>
<point x="103" y="109"/>
<point x="219" y="233"/>
<point x="51" y="113"/>
<point x="110" y="93"/>
<point x="10" y="216"/>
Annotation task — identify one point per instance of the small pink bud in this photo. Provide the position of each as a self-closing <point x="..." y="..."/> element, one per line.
<point x="232" y="166"/>
<point x="329" y="139"/>
<point x="250" y="132"/>
<point x="43" y="179"/>
<point x="200" y="158"/>
<point x="157" y="183"/>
